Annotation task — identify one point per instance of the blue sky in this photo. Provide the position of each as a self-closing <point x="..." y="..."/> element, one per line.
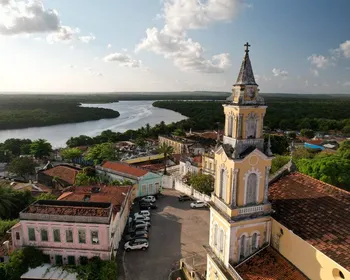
<point x="172" y="45"/>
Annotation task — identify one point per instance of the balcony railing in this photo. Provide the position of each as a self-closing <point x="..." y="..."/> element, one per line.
<point x="219" y="203"/>
<point x="251" y="209"/>
<point x="234" y="273"/>
<point x="207" y="170"/>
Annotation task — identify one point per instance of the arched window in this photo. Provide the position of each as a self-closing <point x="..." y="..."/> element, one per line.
<point x="215" y="235"/>
<point x="223" y="177"/>
<point x="242" y="247"/>
<point x="230" y="125"/>
<point x="251" y="126"/>
<point x="251" y="188"/>
<point x="255" y="244"/>
<point x="221" y="242"/>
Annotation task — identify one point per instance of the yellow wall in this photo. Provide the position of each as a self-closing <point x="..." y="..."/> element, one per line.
<point x="313" y="263"/>
<point x="213" y="272"/>
<point x="254" y="161"/>
<point x="245" y="111"/>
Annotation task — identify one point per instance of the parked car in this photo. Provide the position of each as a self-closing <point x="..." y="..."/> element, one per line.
<point x="147" y="205"/>
<point x="184" y="197"/>
<point x="142" y="222"/>
<point x="149" y="198"/>
<point x="144" y="213"/>
<point x="198" y="204"/>
<point x="140" y="226"/>
<point x="136" y="244"/>
<point x="141" y="217"/>
<point x="136" y="235"/>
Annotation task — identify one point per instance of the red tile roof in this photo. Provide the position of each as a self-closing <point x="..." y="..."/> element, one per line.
<point x="197" y="159"/>
<point x="269" y="265"/>
<point x="124" y="168"/>
<point x="315" y="211"/>
<point x="153" y="166"/>
<point x="63" y="172"/>
<point x="109" y="194"/>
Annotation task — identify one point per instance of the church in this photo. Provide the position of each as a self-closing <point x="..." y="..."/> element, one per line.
<point x="290" y="226"/>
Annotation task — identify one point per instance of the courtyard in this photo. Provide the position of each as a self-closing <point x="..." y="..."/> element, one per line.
<point x="177" y="232"/>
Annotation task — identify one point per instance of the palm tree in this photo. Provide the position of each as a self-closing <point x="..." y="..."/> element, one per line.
<point x="166" y="151"/>
<point x="7" y="200"/>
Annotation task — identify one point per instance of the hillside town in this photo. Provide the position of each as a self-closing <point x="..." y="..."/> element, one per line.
<point x="230" y="203"/>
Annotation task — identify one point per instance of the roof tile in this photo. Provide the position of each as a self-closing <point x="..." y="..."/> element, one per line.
<point x="124" y="168"/>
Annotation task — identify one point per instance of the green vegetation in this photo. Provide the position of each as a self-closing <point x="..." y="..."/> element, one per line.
<point x="71" y="153"/>
<point x="40" y="148"/>
<point x="101" y="152"/>
<point x="86" y="177"/>
<point x="286" y="111"/>
<point x="25" y="110"/>
<point x="309" y="133"/>
<point x="5" y="225"/>
<point x="22" y="167"/>
<point x="278" y="162"/>
<point x="167" y="151"/>
<point x="46" y="196"/>
<point x="203" y="183"/>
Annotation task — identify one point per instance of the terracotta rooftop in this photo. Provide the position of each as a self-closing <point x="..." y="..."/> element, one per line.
<point x="152" y="166"/>
<point x="69" y="208"/>
<point x="269" y="265"/>
<point x="124" y="168"/>
<point x="65" y="173"/>
<point x="315" y="211"/>
<point x="109" y="194"/>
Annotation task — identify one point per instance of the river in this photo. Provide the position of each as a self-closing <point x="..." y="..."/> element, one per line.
<point x="133" y="115"/>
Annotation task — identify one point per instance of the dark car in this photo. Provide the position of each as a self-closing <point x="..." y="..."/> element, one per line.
<point x="136" y="235"/>
<point x="147" y="205"/>
<point x="184" y="197"/>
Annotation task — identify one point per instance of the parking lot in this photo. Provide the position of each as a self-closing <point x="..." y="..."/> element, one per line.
<point x="177" y="231"/>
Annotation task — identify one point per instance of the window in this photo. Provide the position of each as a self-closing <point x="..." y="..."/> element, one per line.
<point x="83" y="260"/>
<point x="150" y="189"/>
<point x="31" y="234"/>
<point x="58" y="259"/>
<point x="251" y="188"/>
<point x="46" y="258"/>
<point x="242" y="247"/>
<point x="82" y="236"/>
<point x="210" y="165"/>
<point x="94" y="237"/>
<point x="223" y="177"/>
<point x="255" y="242"/>
<point x="69" y="236"/>
<point x="230" y="126"/>
<point x="215" y="235"/>
<point x="18" y="237"/>
<point x="251" y="125"/>
<point x="221" y="245"/>
<point x="56" y="235"/>
<point x="71" y="260"/>
<point x="44" y="235"/>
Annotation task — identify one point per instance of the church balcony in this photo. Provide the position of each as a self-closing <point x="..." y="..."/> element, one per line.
<point x="219" y="203"/>
<point x="208" y="171"/>
<point x="251" y="209"/>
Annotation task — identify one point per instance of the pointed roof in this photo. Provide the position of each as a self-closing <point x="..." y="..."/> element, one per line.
<point x="246" y="75"/>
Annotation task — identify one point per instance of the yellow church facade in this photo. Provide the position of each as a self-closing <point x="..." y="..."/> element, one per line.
<point x="244" y="226"/>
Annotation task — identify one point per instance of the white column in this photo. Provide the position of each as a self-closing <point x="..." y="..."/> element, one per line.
<point x="266" y="191"/>
<point x="234" y="188"/>
<point x="261" y="126"/>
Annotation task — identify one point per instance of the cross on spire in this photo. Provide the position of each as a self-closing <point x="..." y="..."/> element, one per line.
<point x="247" y="47"/>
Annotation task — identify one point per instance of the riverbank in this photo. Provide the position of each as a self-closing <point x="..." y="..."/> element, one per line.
<point x="24" y="111"/>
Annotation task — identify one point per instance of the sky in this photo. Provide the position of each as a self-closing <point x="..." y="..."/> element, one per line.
<point x="297" y="46"/>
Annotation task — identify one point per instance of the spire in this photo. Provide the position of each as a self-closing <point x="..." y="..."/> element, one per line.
<point x="268" y="151"/>
<point x="246" y="75"/>
<point x="292" y="166"/>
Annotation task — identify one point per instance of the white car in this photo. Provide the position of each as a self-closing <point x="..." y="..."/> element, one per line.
<point x="144" y="213"/>
<point x="137" y="244"/>
<point x="198" y="204"/>
<point x="139" y="217"/>
<point x="149" y="198"/>
<point x="142" y="222"/>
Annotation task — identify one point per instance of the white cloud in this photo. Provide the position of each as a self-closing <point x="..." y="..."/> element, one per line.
<point x="306" y="83"/>
<point x="17" y="17"/>
<point x="124" y="49"/>
<point x="314" y="72"/>
<point x="278" y="72"/>
<point x="346" y="84"/>
<point x="172" y="41"/>
<point x="319" y="61"/>
<point x="123" y="60"/>
<point x="87" y="39"/>
<point x="64" y="34"/>
<point x="109" y="46"/>
<point x="345" y="48"/>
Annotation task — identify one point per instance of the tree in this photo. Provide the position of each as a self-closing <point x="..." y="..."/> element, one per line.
<point x="278" y="162"/>
<point x="292" y="135"/>
<point x="346" y="130"/>
<point x="81" y="140"/>
<point x="309" y="133"/>
<point x="179" y="132"/>
<point x="203" y="183"/>
<point x="279" y="144"/>
<point x="101" y="152"/>
<point x="71" y="153"/>
<point x="40" y="148"/>
<point x="46" y="196"/>
<point x="17" y="146"/>
<point x="140" y="141"/>
<point x="166" y="151"/>
<point x="7" y="201"/>
<point x="22" y="167"/>
<point x="83" y="179"/>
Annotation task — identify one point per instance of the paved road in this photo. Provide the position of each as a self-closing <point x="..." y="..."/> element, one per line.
<point x="177" y="231"/>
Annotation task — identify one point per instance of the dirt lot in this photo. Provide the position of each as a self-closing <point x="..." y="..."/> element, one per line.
<point x="177" y="231"/>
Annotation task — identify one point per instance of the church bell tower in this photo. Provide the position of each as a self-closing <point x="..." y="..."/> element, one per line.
<point x="240" y="211"/>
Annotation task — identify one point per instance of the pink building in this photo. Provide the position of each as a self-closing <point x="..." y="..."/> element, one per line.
<point x="71" y="232"/>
